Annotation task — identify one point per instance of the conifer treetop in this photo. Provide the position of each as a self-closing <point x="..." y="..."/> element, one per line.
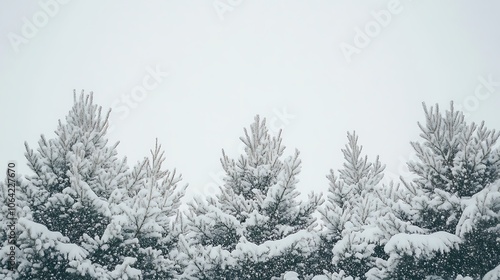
<point x="455" y="156"/>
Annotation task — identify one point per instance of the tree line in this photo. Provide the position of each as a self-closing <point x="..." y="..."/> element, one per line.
<point x="83" y="213"/>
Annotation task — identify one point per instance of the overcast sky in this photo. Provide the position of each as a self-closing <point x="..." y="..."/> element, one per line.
<point x="194" y="73"/>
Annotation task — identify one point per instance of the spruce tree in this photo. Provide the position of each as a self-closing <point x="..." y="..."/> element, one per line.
<point x="73" y="177"/>
<point x="453" y="198"/>
<point x="350" y="211"/>
<point x="360" y="215"/>
<point x="142" y="223"/>
<point x="256" y="228"/>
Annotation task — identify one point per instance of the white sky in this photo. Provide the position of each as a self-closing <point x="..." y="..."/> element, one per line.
<point x="258" y="57"/>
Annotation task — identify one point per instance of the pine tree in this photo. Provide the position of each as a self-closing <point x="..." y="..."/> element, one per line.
<point x="255" y="228"/>
<point x="453" y="198"/>
<point x="38" y="252"/>
<point x="73" y="177"/>
<point x="360" y="216"/>
<point x="479" y="230"/>
<point x="142" y="224"/>
<point x="350" y="211"/>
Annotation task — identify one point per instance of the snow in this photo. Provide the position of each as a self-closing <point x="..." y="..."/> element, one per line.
<point x="493" y="274"/>
<point x="460" y="277"/>
<point x="291" y="276"/>
<point x="259" y="198"/>
<point x="270" y="249"/>
<point x="479" y="207"/>
<point x="320" y="277"/>
<point x="72" y="251"/>
<point x="38" y="231"/>
<point x="125" y="270"/>
<point x="422" y="245"/>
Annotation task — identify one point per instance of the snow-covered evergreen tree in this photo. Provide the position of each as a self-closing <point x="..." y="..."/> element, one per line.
<point x="349" y="213"/>
<point x="360" y="216"/>
<point x="453" y="198"/>
<point x="142" y="223"/>
<point x="256" y="228"/>
<point x="73" y="177"/>
<point x="39" y="253"/>
<point x="75" y="173"/>
<point x="84" y="215"/>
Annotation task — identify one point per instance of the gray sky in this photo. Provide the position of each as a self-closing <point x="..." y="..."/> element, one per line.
<point x="194" y="73"/>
